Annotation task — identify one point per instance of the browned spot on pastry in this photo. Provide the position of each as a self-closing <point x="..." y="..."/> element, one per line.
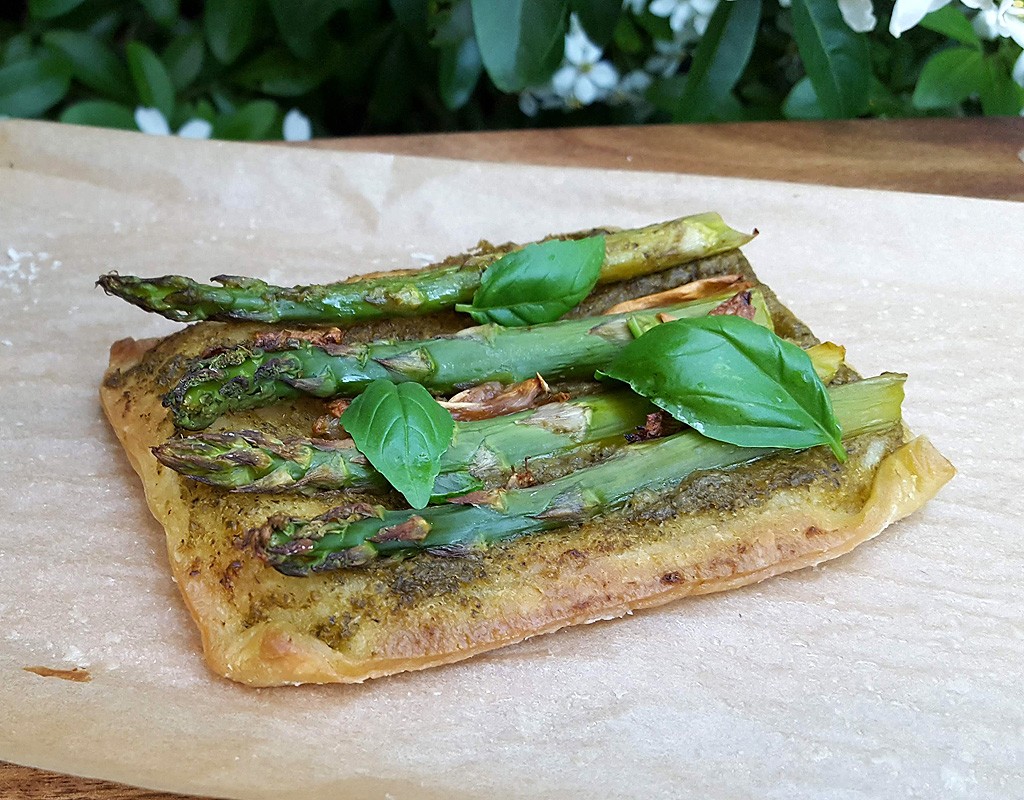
<point x="670" y="578"/>
<point x="78" y="675"/>
<point x="287" y="339"/>
<point x="738" y="305"/>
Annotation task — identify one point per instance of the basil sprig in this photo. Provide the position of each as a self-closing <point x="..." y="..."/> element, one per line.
<point x="732" y="380"/>
<point x="537" y="284"/>
<point x="403" y="432"/>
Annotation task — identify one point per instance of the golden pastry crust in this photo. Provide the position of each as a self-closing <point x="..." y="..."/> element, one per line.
<point x="720" y="531"/>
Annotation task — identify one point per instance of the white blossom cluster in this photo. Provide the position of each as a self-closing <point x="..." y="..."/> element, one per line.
<point x="295" y="128"/>
<point x="586" y="77"/>
<point x="995" y="19"/>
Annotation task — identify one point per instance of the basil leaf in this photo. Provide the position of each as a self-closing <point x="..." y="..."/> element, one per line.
<point x="403" y="432"/>
<point x="539" y="283"/>
<point x="733" y="381"/>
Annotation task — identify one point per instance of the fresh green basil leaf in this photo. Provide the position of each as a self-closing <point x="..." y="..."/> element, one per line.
<point x="950" y="21"/>
<point x="539" y="283"/>
<point x="403" y="432"/>
<point x="100" y="113"/>
<point x="150" y="78"/>
<point x="732" y="380"/>
<point x="521" y="41"/>
<point x="229" y="26"/>
<point x="950" y="77"/>
<point x="837" y="59"/>
<point x="32" y="86"/>
<point x="720" y="58"/>
<point x="92" y="62"/>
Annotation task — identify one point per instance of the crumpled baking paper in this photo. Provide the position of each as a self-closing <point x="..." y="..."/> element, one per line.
<point x="892" y="671"/>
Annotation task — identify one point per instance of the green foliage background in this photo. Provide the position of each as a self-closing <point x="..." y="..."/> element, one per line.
<point x="389" y="66"/>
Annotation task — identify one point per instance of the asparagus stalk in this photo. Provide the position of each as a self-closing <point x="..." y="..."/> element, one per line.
<point x="628" y="254"/>
<point x="246" y="377"/>
<point x="484" y="453"/>
<point x="355" y="535"/>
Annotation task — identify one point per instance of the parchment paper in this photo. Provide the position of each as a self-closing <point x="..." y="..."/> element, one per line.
<point x="894" y="671"/>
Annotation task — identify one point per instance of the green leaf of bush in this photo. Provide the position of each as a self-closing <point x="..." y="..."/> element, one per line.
<point x="184" y="58"/>
<point x="950" y="77"/>
<point x="32" y="86"/>
<point x="229" y="26"/>
<point x="836" y="58"/>
<point x="1000" y="95"/>
<point x="521" y="41"/>
<point x="301" y="23"/>
<point x="101" y="113"/>
<point x="950" y="21"/>
<point x="151" y="80"/>
<point x="17" y="48"/>
<point x="720" y="59"/>
<point x="48" y="9"/>
<point x="278" y="72"/>
<point x="92" y="62"/>
<point x="459" y="70"/>
<point x="164" y="12"/>
<point x="598" y="18"/>
<point x="251" y="122"/>
<point x="802" y="102"/>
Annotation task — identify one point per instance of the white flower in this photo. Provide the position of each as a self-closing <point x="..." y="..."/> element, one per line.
<point x="632" y="88"/>
<point x="1007" y="20"/>
<point x="636" y="6"/>
<point x="583" y="78"/>
<point x="907" y="13"/>
<point x="297" y="127"/>
<point x="858" y="14"/>
<point x="153" y="121"/>
<point x="685" y="14"/>
<point x="538" y="98"/>
<point x="669" y="57"/>
<point x="1010" y="20"/>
